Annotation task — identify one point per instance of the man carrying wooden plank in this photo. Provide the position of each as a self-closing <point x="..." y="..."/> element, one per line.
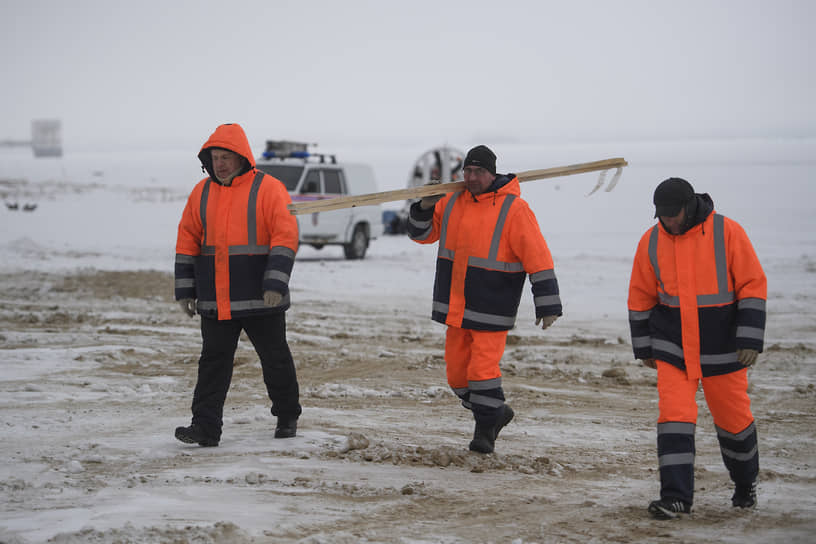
<point x="489" y="241"/>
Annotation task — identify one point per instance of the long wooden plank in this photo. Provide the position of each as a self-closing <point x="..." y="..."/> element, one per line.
<point x="370" y="199"/>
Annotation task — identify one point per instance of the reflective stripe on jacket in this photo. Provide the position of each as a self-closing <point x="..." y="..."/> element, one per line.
<point x="697" y="297"/>
<point x="488" y="244"/>
<point x="237" y="241"/>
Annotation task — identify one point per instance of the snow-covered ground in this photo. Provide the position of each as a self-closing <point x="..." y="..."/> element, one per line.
<point x="98" y="365"/>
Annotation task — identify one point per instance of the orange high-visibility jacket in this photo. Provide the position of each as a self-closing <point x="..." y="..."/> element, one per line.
<point x="237" y="241"/>
<point x="488" y="244"/>
<point x="697" y="297"/>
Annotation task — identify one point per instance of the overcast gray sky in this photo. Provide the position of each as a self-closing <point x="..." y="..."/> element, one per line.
<point x="156" y="74"/>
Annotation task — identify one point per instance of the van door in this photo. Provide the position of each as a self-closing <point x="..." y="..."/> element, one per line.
<point x="334" y="222"/>
<point x="310" y="189"/>
<point x="324" y="227"/>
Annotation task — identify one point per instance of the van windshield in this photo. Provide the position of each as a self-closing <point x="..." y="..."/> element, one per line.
<point x="288" y="174"/>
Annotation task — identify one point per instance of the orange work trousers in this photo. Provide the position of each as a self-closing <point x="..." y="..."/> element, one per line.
<point x="726" y="396"/>
<point x="473" y="356"/>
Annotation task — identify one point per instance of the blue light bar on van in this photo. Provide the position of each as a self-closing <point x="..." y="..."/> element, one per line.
<point x="284" y="154"/>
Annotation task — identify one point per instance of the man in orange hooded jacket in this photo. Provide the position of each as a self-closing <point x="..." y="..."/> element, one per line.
<point x="234" y="255"/>
<point x="489" y="242"/>
<point x="697" y="313"/>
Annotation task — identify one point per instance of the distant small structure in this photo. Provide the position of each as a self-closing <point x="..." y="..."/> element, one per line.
<point x="28" y="207"/>
<point x="46" y="138"/>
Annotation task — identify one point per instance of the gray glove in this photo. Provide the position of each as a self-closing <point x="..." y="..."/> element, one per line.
<point x="546" y="321"/>
<point x="747" y="356"/>
<point x="272" y="298"/>
<point x="650" y="362"/>
<point x="428" y="202"/>
<point x="188" y="306"/>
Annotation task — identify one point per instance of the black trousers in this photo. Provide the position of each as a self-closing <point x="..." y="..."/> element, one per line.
<point x="220" y="340"/>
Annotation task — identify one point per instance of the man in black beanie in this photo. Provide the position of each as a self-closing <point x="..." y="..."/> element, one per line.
<point x="673" y="196"/>
<point x="481" y="155"/>
<point x="697" y="314"/>
<point x="489" y="242"/>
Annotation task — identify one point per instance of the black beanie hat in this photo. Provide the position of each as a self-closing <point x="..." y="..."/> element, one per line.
<point x="482" y="156"/>
<point x="671" y="196"/>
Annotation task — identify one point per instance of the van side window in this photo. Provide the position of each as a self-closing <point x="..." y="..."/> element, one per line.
<point x="333" y="182"/>
<point x="312" y="182"/>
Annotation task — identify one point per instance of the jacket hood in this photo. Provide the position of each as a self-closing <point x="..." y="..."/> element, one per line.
<point x="231" y="137"/>
<point x="697" y="211"/>
<point x="503" y="184"/>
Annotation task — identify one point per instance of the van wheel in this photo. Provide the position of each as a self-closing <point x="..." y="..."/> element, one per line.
<point x="359" y="244"/>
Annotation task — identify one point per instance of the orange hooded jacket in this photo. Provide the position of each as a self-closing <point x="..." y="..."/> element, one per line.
<point x="488" y="244"/>
<point x="697" y="297"/>
<point x="237" y="241"/>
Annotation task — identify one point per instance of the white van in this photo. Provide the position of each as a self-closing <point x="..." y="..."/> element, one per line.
<point x="310" y="176"/>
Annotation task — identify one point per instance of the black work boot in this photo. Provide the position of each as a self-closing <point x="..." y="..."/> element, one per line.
<point x="484" y="439"/>
<point x="194" y="434"/>
<point x="287" y="427"/>
<point x="506" y="417"/>
<point x="745" y="495"/>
